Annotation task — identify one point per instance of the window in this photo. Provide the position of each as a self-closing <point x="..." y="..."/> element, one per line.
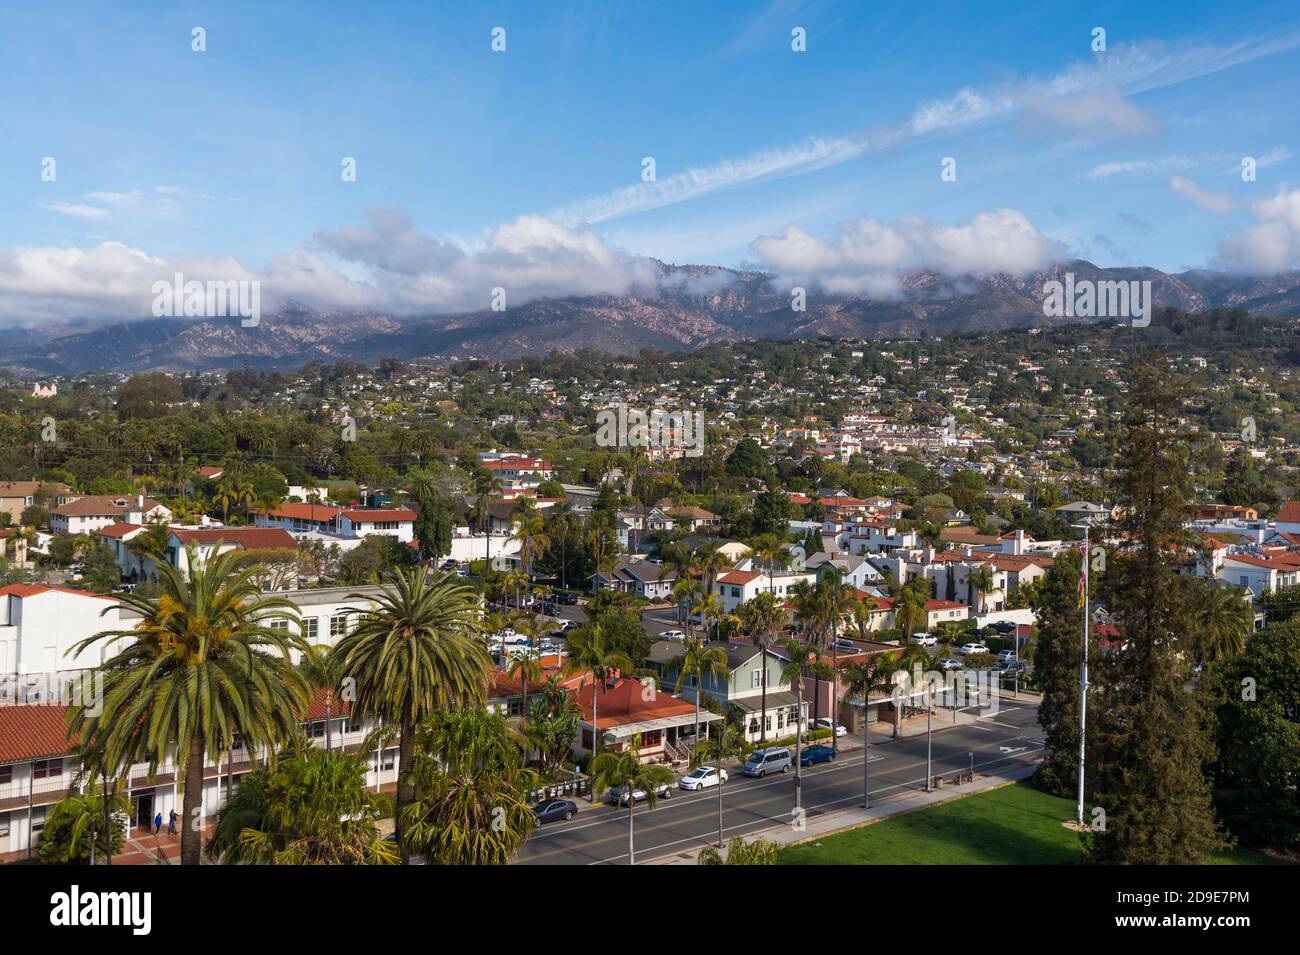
<point x="652" y="738"/>
<point x="4" y="825"/>
<point x="338" y="625"/>
<point x="6" y="775"/>
<point x="47" y="768"/>
<point x="276" y="624"/>
<point x="756" y="679"/>
<point x="316" y="729"/>
<point x="310" y="628"/>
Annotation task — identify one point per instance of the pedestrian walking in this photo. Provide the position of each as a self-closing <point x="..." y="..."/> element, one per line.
<point x="171" y="823"/>
<point x="157" y="824"/>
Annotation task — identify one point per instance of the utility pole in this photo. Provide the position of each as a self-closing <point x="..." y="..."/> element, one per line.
<point x="1083" y="667"/>
<point x="929" y="710"/>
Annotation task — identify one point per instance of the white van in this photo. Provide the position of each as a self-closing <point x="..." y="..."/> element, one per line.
<point x="775" y="759"/>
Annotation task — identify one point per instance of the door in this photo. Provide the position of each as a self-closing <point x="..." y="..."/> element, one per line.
<point x="143" y="810"/>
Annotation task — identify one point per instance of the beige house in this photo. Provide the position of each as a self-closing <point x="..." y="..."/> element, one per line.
<point x="17" y="495"/>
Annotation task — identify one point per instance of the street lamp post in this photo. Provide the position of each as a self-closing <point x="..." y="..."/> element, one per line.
<point x="929" y="710"/>
<point x="971" y="754"/>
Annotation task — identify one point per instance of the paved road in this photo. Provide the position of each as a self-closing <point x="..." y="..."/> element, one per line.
<point x="598" y="835"/>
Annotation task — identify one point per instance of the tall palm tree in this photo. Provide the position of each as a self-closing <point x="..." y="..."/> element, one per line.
<point x="485" y="487"/>
<point x="727" y="742"/>
<point x="526" y="667"/>
<point x="204" y="666"/>
<point x="978" y="583"/>
<point x="530" y="532"/>
<point x="418" y="650"/>
<point x="1223" y="621"/>
<point x="590" y="653"/>
<point x="471" y="789"/>
<point x="686" y="593"/>
<point x="874" y="675"/>
<point x="764" y="618"/>
<point x="699" y="660"/>
<point x="799" y="654"/>
<point x="625" y="769"/>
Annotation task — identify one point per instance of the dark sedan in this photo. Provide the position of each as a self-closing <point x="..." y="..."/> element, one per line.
<point x="553" y="809"/>
<point x="813" y="755"/>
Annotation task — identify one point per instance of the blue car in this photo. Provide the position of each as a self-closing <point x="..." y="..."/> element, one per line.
<point x="552" y="809"/>
<point x="816" y="754"/>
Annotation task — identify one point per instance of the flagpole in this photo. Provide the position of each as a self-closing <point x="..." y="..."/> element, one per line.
<point x="1083" y="670"/>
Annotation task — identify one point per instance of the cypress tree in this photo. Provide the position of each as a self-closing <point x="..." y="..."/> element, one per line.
<point x="1152" y="743"/>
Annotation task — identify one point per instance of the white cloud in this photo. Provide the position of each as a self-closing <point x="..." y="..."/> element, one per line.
<point x="1084" y="100"/>
<point x="1217" y="202"/>
<point x="1272" y="242"/>
<point x="79" y="210"/>
<point x="867" y="256"/>
<point x="385" y="264"/>
<point x="1141" y="167"/>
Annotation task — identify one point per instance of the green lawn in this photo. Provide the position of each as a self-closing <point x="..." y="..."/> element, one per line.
<point x="1012" y="825"/>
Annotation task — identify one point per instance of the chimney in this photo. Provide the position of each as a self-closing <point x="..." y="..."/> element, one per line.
<point x="139" y="501"/>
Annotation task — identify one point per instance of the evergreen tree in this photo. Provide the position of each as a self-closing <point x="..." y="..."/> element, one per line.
<point x="1152" y="733"/>
<point x="1056" y="671"/>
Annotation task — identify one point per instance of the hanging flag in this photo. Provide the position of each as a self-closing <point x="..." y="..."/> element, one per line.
<point x="1083" y="579"/>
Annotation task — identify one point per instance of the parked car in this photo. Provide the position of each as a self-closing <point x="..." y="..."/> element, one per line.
<point x="617" y="795"/>
<point x="950" y="663"/>
<point x="846" y="645"/>
<point x="775" y="759"/>
<point x="812" y="755"/>
<point x="825" y="723"/>
<point x="1005" y="626"/>
<point x="564" y="626"/>
<point x="552" y="809"/>
<point x="702" y="778"/>
<point x="449" y="564"/>
<point x="966" y="648"/>
<point x="924" y="639"/>
<point x="566" y="598"/>
<point x="676" y="636"/>
<point x="1005" y="655"/>
<point x="1009" y="668"/>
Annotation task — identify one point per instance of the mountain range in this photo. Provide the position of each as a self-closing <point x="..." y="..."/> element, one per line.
<point x="690" y="306"/>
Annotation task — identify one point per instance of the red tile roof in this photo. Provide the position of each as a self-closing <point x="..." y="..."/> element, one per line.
<point x="367" y="515"/>
<point x="322" y="513"/>
<point x="32" y="731"/>
<point x="258" y="538"/>
<point x="1289" y="513"/>
<point x="35" y="590"/>
<point x="120" y="529"/>
<point x="628" y="702"/>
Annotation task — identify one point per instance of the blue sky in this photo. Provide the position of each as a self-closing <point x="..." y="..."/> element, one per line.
<point x="227" y="162"/>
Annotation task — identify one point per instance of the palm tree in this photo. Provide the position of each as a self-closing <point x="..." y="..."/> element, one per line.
<point x="312" y="808"/>
<point x="1223" y="621"/>
<point x="764" y="618"/>
<point x="625" y="769"/>
<point x="686" y="593"/>
<point x="530" y="532"/>
<point x="770" y="549"/>
<point x="319" y="667"/>
<point x="874" y="675"/>
<point x="909" y="604"/>
<point x="740" y="852"/>
<point x="553" y="723"/>
<point x="526" y="667"/>
<point x="979" y="582"/>
<point x="485" y="486"/>
<point x="799" y="653"/>
<point x="590" y="653"/>
<point x="727" y="742"/>
<point x="699" y="660"/>
<point x="83" y="824"/>
<point x="205" y="665"/>
<point x="711" y="609"/>
<point x="418" y="650"/>
<point x="471" y="788"/>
